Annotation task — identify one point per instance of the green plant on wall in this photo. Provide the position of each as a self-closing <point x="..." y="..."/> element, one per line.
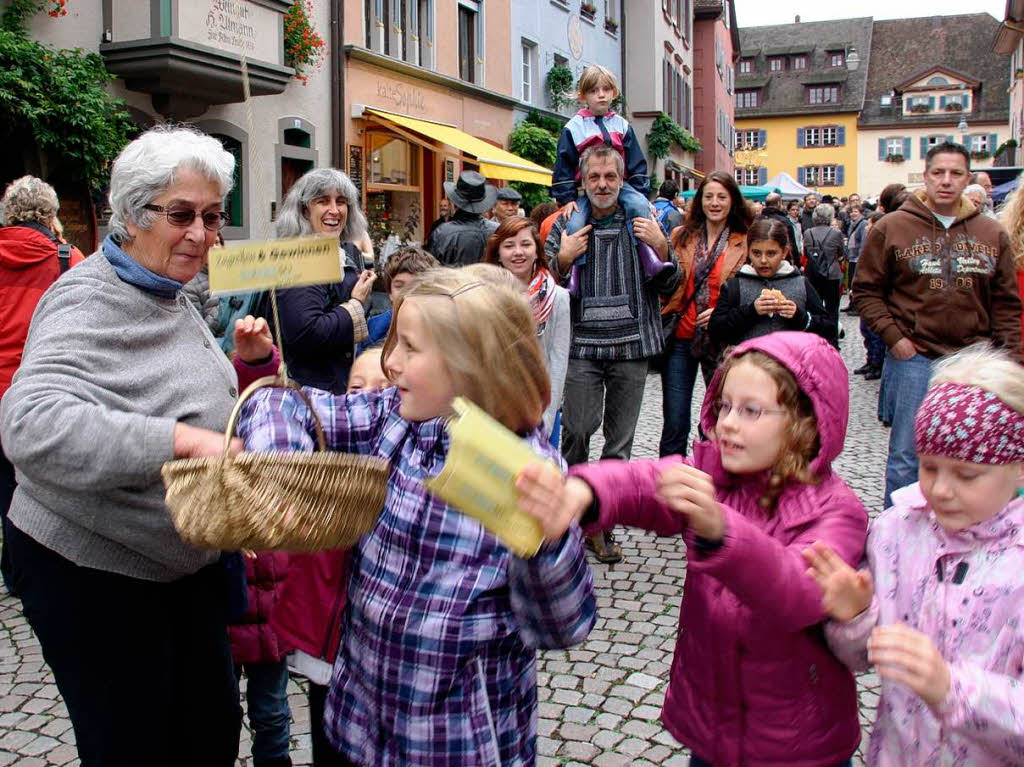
<point x="55" y="102"/>
<point x="666" y="133"/>
<point x="536" y="144"/>
<point x="559" y="82"/>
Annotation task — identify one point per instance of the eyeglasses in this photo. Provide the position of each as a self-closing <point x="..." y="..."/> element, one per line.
<point x="183" y="217"/>
<point x="748" y="413"/>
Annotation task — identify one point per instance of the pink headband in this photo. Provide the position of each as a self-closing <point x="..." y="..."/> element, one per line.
<point x="969" y="423"/>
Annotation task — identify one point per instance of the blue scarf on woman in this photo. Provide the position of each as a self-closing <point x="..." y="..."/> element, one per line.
<point x="134" y="273"/>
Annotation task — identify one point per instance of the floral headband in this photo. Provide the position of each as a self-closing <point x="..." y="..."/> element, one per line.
<point x="969" y="423"/>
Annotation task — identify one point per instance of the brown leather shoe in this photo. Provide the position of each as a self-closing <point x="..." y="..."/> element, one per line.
<point x="605" y="548"/>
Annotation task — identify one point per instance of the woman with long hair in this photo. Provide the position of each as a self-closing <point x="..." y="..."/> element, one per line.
<point x="1012" y="217"/>
<point x="711" y="247"/>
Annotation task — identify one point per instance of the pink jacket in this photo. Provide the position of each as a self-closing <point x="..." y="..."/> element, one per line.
<point x="977" y="625"/>
<point x="753" y="682"/>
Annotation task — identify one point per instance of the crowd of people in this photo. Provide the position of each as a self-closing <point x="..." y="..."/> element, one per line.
<point x="419" y="643"/>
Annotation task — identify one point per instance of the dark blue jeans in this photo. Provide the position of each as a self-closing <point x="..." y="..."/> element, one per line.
<point x="266" y="694"/>
<point x="677" y="382"/>
<point x="696" y="761"/>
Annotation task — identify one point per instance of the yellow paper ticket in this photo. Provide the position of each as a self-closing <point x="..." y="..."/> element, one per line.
<point x="479" y="475"/>
<point x="269" y="264"/>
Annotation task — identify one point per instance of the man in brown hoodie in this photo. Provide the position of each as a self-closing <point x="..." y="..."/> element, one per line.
<point x="934" y="276"/>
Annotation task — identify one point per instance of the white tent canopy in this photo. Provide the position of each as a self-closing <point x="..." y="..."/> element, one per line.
<point x="790" y="187"/>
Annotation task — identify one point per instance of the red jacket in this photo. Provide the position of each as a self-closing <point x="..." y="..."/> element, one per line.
<point x="28" y="266"/>
<point x="308" y="614"/>
<point x="253" y="640"/>
<point x="753" y="682"/>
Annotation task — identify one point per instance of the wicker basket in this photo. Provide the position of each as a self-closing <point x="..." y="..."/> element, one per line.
<point x="263" y="501"/>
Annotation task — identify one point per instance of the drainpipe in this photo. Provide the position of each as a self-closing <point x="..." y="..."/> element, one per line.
<point x="337" y="85"/>
<point x="622" y="47"/>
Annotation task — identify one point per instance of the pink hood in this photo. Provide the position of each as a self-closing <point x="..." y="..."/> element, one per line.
<point x="820" y="373"/>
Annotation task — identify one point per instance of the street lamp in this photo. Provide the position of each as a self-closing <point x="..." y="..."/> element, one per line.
<point x="962" y="128"/>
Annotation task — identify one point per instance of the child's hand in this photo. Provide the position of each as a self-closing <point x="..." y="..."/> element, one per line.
<point x="903" y="655"/>
<point x="551" y="499"/>
<point x="690" y="491"/>
<point x="766" y="305"/>
<point x="787" y="309"/>
<point x="846" y="592"/>
<point x="252" y="339"/>
<point x="569" y="208"/>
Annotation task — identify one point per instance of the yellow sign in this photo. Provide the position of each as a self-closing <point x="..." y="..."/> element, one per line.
<point x="284" y="263"/>
<point x="479" y="475"/>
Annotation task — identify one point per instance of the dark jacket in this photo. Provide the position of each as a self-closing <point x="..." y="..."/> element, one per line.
<point x="318" y="331"/>
<point x="28" y="266"/>
<point x="833" y="251"/>
<point x="585" y="131"/>
<point x="943" y="289"/>
<point x="734" y="319"/>
<point x="787" y="222"/>
<point x="806" y="223"/>
<point x="252" y="638"/>
<point x="462" y="240"/>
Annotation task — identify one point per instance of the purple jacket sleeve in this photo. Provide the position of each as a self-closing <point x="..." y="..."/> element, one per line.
<point x="625" y="492"/>
<point x="552" y="594"/>
<point x="770" y="576"/>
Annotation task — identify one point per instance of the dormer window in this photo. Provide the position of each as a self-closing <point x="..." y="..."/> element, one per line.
<point x="746" y="99"/>
<point x="746" y="66"/>
<point x="823" y="94"/>
<point x="776" y="64"/>
<point x="799" y="62"/>
<point x="836" y="59"/>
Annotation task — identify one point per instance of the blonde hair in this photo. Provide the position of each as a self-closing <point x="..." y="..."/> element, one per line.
<point x="595" y="75"/>
<point x="986" y="367"/>
<point x="494" y="274"/>
<point x="29" y="199"/>
<point x="802" y="442"/>
<point x="487" y="338"/>
<point x="1012" y="217"/>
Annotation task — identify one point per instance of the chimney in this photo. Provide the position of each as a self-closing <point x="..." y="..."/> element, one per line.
<point x="797" y="19"/>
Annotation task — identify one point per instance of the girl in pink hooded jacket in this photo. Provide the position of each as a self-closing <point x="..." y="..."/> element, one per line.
<point x="939" y="614"/>
<point x="753" y="682"/>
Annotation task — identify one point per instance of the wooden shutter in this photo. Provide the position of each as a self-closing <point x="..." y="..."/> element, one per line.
<point x="762" y="138"/>
<point x="801" y="137"/>
<point x="881" y="149"/>
<point x="841" y="135"/>
<point x="931" y="102"/>
<point x="841" y="174"/>
<point x="993" y="143"/>
<point x="801" y="175"/>
<point x="906" y="147"/>
<point x="762" y="176"/>
<point x="924" y="146"/>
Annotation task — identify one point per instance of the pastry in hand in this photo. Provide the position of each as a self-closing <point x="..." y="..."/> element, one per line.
<point x="776" y="295"/>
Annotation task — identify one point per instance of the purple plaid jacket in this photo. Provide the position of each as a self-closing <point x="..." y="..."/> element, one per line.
<point x="437" y="663"/>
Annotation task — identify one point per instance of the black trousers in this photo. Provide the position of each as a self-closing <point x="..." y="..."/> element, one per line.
<point x="324" y="754"/>
<point x="144" y="668"/>
<point x="7" y="486"/>
<point x="830" y="292"/>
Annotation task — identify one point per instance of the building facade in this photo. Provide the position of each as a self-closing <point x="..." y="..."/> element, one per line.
<point x="181" y="60"/>
<point x="798" y="90"/>
<point x="573" y="34"/>
<point x="658" y="42"/>
<point x="931" y="80"/>
<point x="716" y="50"/>
<point x="1009" y="41"/>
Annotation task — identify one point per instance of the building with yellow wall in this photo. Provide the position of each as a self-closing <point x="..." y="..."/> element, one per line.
<point x="799" y="89"/>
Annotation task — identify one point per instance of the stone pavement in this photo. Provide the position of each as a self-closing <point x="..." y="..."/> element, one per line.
<point x="600" y="702"/>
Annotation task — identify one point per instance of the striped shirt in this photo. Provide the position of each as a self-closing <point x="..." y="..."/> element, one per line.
<point x="437" y="663"/>
<point x="616" y="315"/>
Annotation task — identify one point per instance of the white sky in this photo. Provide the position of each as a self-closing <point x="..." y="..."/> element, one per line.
<point x="756" y="13"/>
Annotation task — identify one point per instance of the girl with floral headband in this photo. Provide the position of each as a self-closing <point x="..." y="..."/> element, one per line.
<point x="938" y="611"/>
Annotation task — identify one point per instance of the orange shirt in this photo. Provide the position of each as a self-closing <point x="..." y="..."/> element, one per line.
<point x="688" y="322"/>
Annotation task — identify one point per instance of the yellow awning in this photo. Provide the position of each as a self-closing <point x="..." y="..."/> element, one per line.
<point x="494" y="162"/>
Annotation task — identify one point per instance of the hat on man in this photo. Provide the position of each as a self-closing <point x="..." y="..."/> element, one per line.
<point x="510" y="194"/>
<point x="471" y="192"/>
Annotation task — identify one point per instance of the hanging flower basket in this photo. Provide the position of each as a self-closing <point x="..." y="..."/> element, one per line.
<point x="982" y="154"/>
<point x="920" y="108"/>
<point x="589" y="10"/>
<point x="611" y="25"/>
<point x="954" y="106"/>
<point x="57" y="8"/>
<point x="304" y="49"/>
<point x="894" y="158"/>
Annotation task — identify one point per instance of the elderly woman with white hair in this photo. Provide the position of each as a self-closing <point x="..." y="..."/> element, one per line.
<point x="321" y="324"/>
<point x="825" y="252"/>
<point x="119" y="375"/>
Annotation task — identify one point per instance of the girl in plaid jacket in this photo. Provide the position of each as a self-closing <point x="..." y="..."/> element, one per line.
<point x="437" y="663"/>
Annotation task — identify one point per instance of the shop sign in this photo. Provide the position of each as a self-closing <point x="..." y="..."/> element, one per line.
<point x="282" y="263"/>
<point x="233" y="26"/>
<point x="401" y="97"/>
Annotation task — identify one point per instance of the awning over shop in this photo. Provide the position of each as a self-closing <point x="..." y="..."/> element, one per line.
<point x="494" y="162"/>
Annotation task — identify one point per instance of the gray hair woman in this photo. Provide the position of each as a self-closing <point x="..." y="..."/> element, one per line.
<point x="825" y="252"/>
<point x="120" y="374"/>
<point x="321" y="324"/>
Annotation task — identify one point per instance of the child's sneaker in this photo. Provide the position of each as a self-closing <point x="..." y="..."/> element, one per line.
<point x="651" y="265"/>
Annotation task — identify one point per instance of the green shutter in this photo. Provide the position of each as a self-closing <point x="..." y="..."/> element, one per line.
<point x="906" y="147"/>
<point x="924" y="146"/>
<point x="881" y="149"/>
<point x="993" y="143"/>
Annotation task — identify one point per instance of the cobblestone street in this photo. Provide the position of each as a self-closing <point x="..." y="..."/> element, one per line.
<point x="600" y="702"/>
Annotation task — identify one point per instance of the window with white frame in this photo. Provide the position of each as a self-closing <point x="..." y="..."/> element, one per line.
<point x="529" y="66"/>
<point x="835" y="58"/>
<point x="829" y="136"/>
<point x="823" y="94"/>
<point x="747" y="176"/>
<point x="979" y="143"/>
<point x="811" y="175"/>
<point x="894" y="146"/>
<point x="799" y="62"/>
<point x="828" y="175"/>
<point x="812" y="136"/>
<point x="820" y="175"/>
<point x="776" y="64"/>
<point x="470" y="39"/>
<point x="746" y="66"/>
<point x="746" y="99"/>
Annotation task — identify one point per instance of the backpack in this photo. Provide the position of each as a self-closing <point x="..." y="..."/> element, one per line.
<point x="817" y="264"/>
<point x="665" y="209"/>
